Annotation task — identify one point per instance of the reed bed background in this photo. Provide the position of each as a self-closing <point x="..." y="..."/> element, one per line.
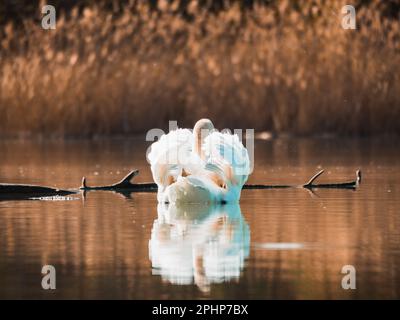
<point x="125" y="67"/>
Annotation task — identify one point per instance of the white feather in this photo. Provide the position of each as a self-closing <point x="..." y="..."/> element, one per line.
<point x="216" y="174"/>
<point x="226" y="156"/>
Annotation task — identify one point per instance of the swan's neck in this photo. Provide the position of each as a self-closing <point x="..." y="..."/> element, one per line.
<point x="198" y="141"/>
<point x="201" y="130"/>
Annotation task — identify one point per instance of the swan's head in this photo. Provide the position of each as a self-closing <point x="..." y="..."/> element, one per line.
<point x="201" y="130"/>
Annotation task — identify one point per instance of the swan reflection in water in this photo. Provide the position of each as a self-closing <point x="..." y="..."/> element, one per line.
<point x="201" y="244"/>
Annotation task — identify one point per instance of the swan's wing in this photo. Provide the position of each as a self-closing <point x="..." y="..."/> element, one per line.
<point x="226" y="157"/>
<point x="169" y="156"/>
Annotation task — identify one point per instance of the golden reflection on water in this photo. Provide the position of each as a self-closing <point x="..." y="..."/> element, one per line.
<point x="277" y="244"/>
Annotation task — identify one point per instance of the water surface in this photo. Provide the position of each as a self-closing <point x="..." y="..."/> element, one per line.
<point x="287" y="243"/>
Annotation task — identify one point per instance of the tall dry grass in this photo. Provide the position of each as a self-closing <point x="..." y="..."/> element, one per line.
<point x="282" y="68"/>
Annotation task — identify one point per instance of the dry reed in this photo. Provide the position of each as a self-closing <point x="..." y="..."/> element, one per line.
<point x="280" y="68"/>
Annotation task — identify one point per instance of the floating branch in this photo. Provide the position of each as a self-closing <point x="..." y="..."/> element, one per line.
<point x="27" y="191"/>
<point x="311" y="185"/>
<point x="341" y="185"/>
<point x="125" y="186"/>
<point x="313" y="178"/>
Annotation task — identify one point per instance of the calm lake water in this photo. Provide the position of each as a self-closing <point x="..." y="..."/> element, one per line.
<point x="277" y="244"/>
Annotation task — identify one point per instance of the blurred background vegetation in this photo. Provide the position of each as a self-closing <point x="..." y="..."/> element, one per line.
<point x="125" y="66"/>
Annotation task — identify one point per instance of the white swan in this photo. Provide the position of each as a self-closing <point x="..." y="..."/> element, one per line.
<point x="205" y="166"/>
